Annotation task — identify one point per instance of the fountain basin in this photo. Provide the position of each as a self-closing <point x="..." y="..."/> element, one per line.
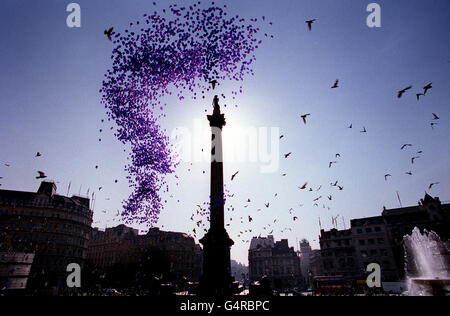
<point x="429" y="287"/>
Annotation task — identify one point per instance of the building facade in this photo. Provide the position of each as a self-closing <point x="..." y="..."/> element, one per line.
<point x="380" y="240"/>
<point x="14" y="270"/>
<point x="305" y="260"/>
<point x="276" y="260"/>
<point x="54" y="228"/>
<point x="338" y="253"/>
<point x="123" y="245"/>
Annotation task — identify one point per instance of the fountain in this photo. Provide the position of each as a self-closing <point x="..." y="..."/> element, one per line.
<point x="427" y="264"/>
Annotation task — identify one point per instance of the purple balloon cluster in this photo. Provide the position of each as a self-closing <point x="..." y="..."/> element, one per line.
<point x="177" y="52"/>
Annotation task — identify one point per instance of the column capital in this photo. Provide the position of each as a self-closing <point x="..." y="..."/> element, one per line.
<point x="217" y="119"/>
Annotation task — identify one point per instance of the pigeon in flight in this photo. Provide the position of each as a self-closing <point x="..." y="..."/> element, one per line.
<point x="386" y="176"/>
<point x="433" y="184"/>
<point x="331" y="163"/>
<point x="340" y="188"/>
<point x="234" y="176"/>
<point x="304" y="186"/>
<point x="108" y="33"/>
<point x="351" y="126"/>
<point x="282" y="136"/>
<point x="433" y="125"/>
<point x="304" y="117"/>
<point x="413" y="159"/>
<point x="267" y="205"/>
<point x="364" y="130"/>
<point x="418" y="95"/>
<point x="427" y="87"/>
<point x="295" y="218"/>
<point x="310" y="22"/>
<point x="338" y="155"/>
<point x="336" y="84"/>
<point x="406" y="145"/>
<point x="409" y="173"/>
<point x="38" y="154"/>
<point x="287" y="155"/>
<point x="41" y="175"/>
<point x="401" y="92"/>
<point x="435" y="117"/>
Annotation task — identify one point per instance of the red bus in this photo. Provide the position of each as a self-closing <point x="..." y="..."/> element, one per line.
<point x="334" y="285"/>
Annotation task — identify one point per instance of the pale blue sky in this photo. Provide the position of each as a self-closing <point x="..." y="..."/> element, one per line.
<point x="51" y="74"/>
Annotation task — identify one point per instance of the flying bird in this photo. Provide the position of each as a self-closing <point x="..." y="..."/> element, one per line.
<point x="304" y="186"/>
<point x="295" y="218"/>
<point x="304" y="117"/>
<point x="234" y="176"/>
<point x="331" y="163"/>
<point x="364" y="130"/>
<point x="413" y="159"/>
<point x="433" y="184"/>
<point x="427" y="87"/>
<point x="406" y="145"/>
<point x="336" y="84"/>
<point x="310" y="22"/>
<point x="351" y="126"/>
<point x="108" y="33"/>
<point x="386" y="176"/>
<point x="38" y="154"/>
<point x="287" y="155"/>
<point x="401" y="92"/>
<point x="433" y="125"/>
<point x="435" y="117"/>
<point x="418" y="95"/>
<point x="267" y="205"/>
<point x="409" y="173"/>
<point x="41" y="175"/>
<point x="340" y="188"/>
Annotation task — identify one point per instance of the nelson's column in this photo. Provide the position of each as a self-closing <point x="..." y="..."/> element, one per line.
<point x="216" y="278"/>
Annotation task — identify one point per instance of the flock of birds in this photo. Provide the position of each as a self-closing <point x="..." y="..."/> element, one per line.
<point x="197" y="217"/>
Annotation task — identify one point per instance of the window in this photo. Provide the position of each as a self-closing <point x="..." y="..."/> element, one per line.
<point x="362" y="242"/>
<point x="368" y="230"/>
<point x="380" y="241"/>
<point x="359" y="231"/>
<point x="373" y="252"/>
<point x="371" y="242"/>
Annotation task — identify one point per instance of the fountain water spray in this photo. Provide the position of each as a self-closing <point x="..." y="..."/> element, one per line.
<point x="427" y="264"/>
